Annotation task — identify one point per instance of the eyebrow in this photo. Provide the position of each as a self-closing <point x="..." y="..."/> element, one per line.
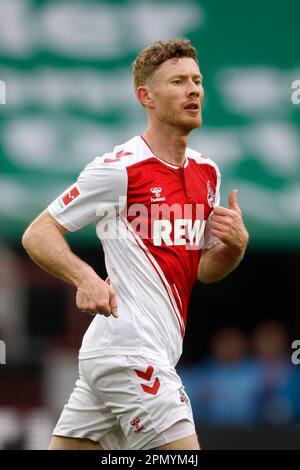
<point x="196" y="75"/>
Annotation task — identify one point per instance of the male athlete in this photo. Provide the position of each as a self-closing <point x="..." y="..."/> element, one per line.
<point x="155" y="204"/>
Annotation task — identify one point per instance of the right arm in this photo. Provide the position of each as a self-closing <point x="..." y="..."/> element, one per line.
<point x="45" y="243"/>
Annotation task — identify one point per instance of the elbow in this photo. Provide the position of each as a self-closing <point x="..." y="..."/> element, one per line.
<point x="209" y="278"/>
<point x="206" y="280"/>
<point x="203" y="275"/>
<point x="25" y="239"/>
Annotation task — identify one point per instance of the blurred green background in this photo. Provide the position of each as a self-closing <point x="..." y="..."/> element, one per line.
<point x="69" y="97"/>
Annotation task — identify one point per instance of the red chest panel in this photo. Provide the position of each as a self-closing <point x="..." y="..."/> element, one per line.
<point x="177" y="197"/>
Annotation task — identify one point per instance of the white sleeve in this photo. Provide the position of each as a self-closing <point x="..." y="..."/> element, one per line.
<point x="209" y="239"/>
<point x="100" y="189"/>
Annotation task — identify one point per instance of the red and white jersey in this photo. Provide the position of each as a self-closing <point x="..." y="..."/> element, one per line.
<point x="153" y="221"/>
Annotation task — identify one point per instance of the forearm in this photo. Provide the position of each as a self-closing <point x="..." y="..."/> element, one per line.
<point x="48" y="248"/>
<point x="218" y="262"/>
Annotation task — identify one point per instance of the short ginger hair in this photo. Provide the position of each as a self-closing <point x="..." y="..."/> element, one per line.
<point x="148" y="61"/>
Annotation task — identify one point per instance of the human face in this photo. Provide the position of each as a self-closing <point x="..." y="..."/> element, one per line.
<point x="177" y="93"/>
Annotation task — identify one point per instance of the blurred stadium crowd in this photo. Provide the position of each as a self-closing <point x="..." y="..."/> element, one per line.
<point x="247" y="380"/>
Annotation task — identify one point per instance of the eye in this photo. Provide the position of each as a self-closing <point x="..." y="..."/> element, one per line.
<point x="198" y="82"/>
<point x="177" y="82"/>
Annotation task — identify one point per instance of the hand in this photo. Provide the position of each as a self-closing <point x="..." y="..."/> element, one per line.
<point x="96" y="296"/>
<point x="227" y="224"/>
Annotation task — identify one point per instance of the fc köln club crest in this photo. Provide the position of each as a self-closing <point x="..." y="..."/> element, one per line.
<point x="210" y="195"/>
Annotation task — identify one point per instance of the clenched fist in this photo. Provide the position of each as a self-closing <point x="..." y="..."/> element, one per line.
<point x="95" y="296"/>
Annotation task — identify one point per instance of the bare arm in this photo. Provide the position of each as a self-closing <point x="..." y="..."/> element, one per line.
<point x="223" y="258"/>
<point x="45" y="243"/>
<point x="218" y="262"/>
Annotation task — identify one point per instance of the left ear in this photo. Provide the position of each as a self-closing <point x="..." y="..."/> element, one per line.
<point x="144" y="95"/>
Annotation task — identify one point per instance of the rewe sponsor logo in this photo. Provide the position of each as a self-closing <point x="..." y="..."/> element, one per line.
<point x="163" y="224"/>
<point x="185" y="231"/>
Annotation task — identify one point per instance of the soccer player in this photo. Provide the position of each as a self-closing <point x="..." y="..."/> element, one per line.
<point x="155" y="205"/>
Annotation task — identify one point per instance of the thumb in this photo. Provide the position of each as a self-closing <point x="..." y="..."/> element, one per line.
<point x="113" y="302"/>
<point x="232" y="200"/>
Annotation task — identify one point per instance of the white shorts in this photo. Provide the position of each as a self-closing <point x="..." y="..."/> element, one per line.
<point x="127" y="402"/>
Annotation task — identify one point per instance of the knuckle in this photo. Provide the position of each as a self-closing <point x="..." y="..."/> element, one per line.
<point x="105" y="307"/>
<point x="83" y="305"/>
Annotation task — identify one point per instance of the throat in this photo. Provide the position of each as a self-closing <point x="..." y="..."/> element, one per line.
<point x="165" y="153"/>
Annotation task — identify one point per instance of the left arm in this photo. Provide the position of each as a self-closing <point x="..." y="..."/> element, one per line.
<point x="228" y="226"/>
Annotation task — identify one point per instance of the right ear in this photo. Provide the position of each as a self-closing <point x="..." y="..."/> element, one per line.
<point x="144" y="95"/>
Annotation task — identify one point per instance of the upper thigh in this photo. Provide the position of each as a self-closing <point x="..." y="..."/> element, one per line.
<point x="73" y="443"/>
<point x="84" y="419"/>
<point x="186" y="443"/>
<point x="147" y="397"/>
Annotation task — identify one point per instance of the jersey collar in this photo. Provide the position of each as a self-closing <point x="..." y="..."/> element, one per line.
<point x="165" y="162"/>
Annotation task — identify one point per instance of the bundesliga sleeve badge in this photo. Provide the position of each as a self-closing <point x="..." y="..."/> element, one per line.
<point x="70" y="195"/>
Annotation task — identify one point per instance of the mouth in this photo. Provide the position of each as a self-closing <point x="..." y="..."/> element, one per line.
<point x="192" y="108"/>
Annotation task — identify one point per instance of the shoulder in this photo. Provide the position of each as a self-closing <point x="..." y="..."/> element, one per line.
<point x="201" y="159"/>
<point x="122" y="155"/>
<point x="110" y="169"/>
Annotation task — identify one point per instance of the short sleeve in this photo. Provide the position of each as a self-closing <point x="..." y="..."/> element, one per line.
<point x="209" y="239"/>
<point x="99" y="190"/>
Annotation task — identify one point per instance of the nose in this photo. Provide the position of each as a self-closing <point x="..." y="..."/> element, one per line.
<point x="194" y="89"/>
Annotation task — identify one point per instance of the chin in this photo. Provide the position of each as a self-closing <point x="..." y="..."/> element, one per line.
<point x="192" y="124"/>
<point x="186" y="124"/>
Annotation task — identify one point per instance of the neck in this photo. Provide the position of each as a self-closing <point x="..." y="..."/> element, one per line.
<point x="166" y="142"/>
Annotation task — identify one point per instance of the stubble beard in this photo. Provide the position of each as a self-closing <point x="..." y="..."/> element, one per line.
<point x="186" y="124"/>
